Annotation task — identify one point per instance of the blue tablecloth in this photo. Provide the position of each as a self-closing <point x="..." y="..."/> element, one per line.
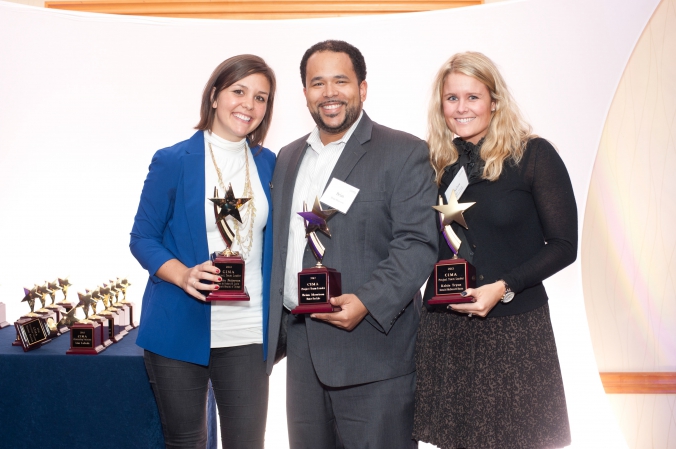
<point x="52" y="400"/>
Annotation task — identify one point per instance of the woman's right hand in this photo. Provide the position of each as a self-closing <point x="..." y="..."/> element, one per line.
<point x="191" y="280"/>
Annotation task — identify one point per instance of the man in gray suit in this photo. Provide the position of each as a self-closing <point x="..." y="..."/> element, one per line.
<point x="351" y="373"/>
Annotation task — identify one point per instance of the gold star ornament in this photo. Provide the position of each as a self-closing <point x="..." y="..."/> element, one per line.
<point x="452" y="212"/>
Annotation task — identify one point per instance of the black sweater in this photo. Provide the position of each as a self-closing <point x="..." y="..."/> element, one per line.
<point x="523" y="227"/>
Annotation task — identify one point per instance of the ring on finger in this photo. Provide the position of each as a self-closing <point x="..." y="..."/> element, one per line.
<point x="469" y="315"/>
<point x="193" y="285"/>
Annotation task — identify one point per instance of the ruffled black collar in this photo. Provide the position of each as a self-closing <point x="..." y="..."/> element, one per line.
<point x="474" y="165"/>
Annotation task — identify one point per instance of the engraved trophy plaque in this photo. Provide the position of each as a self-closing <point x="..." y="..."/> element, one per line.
<point x="231" y="287"/>
<point x="85" y="336"/>
<point x="34" y="329"/>
<point x="317" y="285"/>
<point x="452" y="276"/>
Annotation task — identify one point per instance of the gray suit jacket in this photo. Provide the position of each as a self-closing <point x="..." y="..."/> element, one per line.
<point x="384" y="247"/>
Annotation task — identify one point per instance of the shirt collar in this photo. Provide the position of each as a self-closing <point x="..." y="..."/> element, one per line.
<point x="316" y="144"/>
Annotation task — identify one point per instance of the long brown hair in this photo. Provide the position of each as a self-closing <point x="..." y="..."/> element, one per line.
<point x="507" y="134"/>
<point x="225" y="75"/>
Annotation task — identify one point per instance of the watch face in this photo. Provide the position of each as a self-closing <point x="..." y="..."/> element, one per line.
<point x="508" y="297"/>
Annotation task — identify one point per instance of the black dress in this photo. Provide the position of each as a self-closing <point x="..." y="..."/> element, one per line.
<point x="495" y="382"/>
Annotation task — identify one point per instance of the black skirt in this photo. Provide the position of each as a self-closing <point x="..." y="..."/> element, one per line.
<point x="489" y="383"/>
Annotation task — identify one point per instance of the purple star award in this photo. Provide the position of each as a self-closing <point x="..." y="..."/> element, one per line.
<point x="231" y="263"/>
<point x="317" y="285"/>
<point x="452" y="276"/>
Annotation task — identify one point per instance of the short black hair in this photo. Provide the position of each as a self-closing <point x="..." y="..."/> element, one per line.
<point x="358" y="63"/>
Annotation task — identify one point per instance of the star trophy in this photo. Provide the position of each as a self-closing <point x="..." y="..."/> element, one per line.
<point x="452" y="276"/>
<point x="33" y="329"/>
<point x="85" y="335"/>
<point x="105" y="329"/>
<point x="231" y="264"/>
<point x="317" y="285"/>
<point x="63" y="286"/>
<point x="124" y="284"/>
<point x="58" y="310"/>
<point x="115" y="330"/>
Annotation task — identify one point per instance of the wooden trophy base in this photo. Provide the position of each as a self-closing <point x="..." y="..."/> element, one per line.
<point x="115" y="332"/>
<point x="316" y="286"/>
<point x="231" y="287"/>
<point x="452" y="277"/>
<point x="85" y="339"/>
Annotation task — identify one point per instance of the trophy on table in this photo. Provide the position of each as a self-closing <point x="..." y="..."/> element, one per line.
<point x="64" y="284"/>
<point x="123" y="308"/>
<point x="58" y="310"/>
<point x="115" y="331"/>
<point x="33" y="329"/>
<point x="85" y="335"/>
<point x="105" y="329"/>
<point x="43" y="292"/>
<point x="452" y="276"/>
<point x="125" y="284"/>
<point x="3" y="316"/>
<point x="231" y="287"/>
<point x="317" y="285"/>
<point x="122" y="311"/>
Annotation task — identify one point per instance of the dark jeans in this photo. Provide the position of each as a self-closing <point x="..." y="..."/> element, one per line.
<point x="240" y="386"/>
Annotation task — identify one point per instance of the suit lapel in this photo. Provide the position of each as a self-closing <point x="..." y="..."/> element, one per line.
<point x="353" y="150"/>
<point x="193" y="195"/>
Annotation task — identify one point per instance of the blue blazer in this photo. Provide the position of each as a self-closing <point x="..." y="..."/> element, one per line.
<point x="170" y="224"/>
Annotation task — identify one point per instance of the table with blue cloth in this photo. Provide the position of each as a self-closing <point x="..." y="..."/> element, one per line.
<point x="53" y="400"/>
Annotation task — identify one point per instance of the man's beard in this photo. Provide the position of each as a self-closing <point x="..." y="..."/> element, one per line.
<point x="351" y="116"/>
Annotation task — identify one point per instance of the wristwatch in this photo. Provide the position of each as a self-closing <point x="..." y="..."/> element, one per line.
<point x="509" y="294"/>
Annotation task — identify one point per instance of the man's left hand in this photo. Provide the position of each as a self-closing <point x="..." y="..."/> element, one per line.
<point x="353" y="311"/>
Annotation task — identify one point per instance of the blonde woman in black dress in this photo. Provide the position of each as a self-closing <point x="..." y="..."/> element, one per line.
<point x="488" y="374"/>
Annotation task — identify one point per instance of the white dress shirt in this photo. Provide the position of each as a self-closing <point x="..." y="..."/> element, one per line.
<point x="313" y="176"/>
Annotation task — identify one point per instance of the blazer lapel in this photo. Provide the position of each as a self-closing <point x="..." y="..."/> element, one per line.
<point x="193" y="195"/>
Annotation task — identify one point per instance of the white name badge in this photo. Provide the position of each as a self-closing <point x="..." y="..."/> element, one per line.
<point x="458" y="185"/>
<point x="339" y="195"/>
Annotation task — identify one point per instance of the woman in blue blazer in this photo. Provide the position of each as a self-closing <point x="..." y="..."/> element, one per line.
<point x="187" y="339"/>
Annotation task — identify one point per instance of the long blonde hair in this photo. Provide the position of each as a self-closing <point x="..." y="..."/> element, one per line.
<point x="507" y="133"/>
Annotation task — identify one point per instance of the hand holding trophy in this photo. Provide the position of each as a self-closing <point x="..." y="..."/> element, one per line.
<point x="452" y="276"/>
<point x="317" y="285"/>
<point x="231" y="287"/>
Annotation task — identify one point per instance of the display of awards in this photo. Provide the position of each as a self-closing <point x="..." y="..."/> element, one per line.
<point x="231" y="287"/>
<point x="317" y="285"/>
<point x="452" y="276"/>
<point x="86" y="335"/>
<point x="3" y="315"/>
